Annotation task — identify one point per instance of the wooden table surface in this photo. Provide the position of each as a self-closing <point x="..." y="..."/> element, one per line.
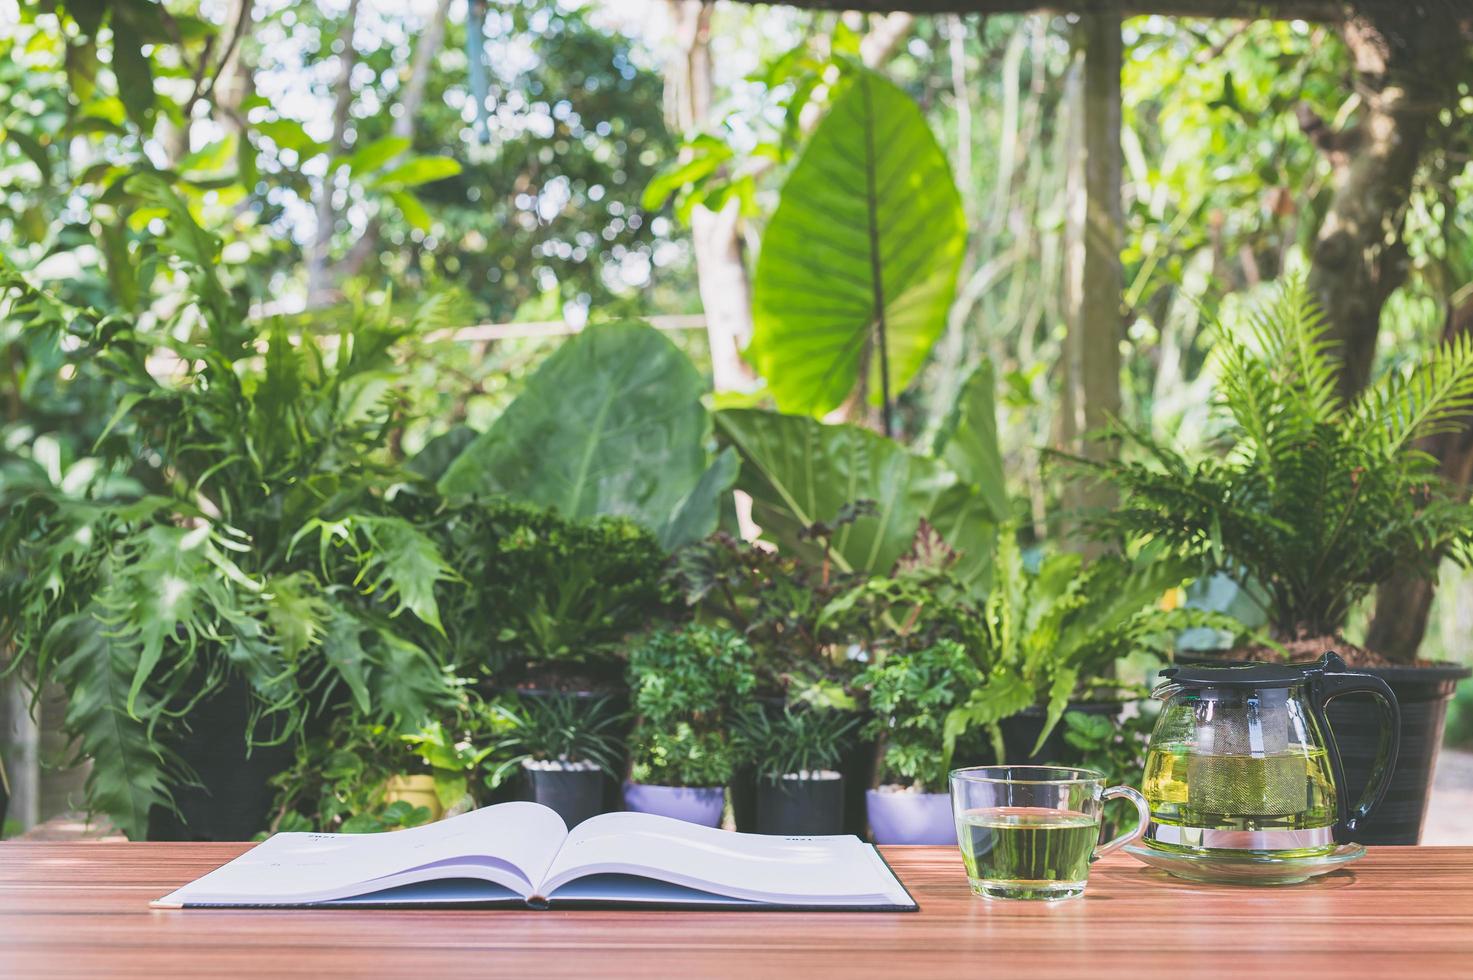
<point x="81" y="910"/>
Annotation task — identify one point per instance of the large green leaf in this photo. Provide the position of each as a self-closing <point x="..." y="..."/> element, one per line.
<point x="612" y="423"/>
<point x="968" y="440"/>
<point x="800" y="472"/>
<point x="396" y="561"/>
<point x="416" y="171"/>
<point x="371" y="156"/>
<point x="868" y="231"/>
<point x="133" y="70"/>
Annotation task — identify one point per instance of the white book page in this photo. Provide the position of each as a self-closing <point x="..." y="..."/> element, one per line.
<point x="512" y="844"/>
<point x="795" y="870"/>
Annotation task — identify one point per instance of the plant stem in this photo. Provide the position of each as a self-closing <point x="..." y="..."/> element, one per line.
<point x="877" y="281"/>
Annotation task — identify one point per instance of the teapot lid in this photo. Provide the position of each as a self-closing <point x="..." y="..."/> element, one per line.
<point x="1249" y="673"/>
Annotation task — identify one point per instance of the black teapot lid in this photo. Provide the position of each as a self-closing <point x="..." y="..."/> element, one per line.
<point x="1250" y="673"/>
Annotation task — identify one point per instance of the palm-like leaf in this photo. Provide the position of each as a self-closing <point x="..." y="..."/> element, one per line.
<point x="1318" y="501"/>
<point x="1435" y="397"/>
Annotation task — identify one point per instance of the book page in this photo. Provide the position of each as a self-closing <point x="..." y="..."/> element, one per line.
<point x="795" y="870"/>
<point x="511" y="844"/>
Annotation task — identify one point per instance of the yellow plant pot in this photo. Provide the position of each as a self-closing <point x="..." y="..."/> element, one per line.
<point x="416" y="791"/>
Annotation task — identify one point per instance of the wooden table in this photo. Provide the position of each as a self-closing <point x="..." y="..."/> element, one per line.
<point x="81" y="910"/>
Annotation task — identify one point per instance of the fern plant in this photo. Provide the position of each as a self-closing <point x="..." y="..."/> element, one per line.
<point x="1312" y="499"/>
<point x="1051" y="633"/>
<point x="237" y="531"/>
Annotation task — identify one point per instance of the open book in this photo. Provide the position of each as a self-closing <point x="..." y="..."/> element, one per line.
<point x="523" y="854"/>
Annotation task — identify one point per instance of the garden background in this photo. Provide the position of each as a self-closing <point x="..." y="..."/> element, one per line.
<point x="424" y="201"/>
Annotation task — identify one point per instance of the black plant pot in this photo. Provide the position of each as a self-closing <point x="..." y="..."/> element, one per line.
<point x="576" y="794"/>
<point x="800" y="807"/>
<point x="856" y="764"/>
<point x="1422" y="694"/>
<point x="617" y="701"/>
<point x="232" y="798"/>
<point x="742" y="791"/>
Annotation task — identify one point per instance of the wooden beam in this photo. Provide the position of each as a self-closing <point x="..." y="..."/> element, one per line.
<point x="1093" y="278"/>
<point x="1328" y="11"/>
<point x="19" y="739"/>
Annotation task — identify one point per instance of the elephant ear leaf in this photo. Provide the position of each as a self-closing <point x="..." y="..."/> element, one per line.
<point x="800" y="472"/>
<point x="610" y="424"/>
<point x="967" y="440"/>
<point x="700" y="511"/>
<point x="864" y="248"/>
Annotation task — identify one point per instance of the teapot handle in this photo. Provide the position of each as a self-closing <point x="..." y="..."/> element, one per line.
<point x="1324" y="688"/>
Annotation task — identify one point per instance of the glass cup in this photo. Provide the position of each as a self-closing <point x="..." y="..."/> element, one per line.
<point x="1031" y="832"/>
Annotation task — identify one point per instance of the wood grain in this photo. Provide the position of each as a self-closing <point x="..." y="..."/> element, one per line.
<point x="81" y="910"/>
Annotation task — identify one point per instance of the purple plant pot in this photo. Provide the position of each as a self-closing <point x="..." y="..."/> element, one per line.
<point x="693" y="804"/>
<point x="910" y="818"/>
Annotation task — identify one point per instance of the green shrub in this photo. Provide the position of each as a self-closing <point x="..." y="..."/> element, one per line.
<point x="543" y="589"/>
<point x="683" y="756"/>
<point x="687" y="685"/>
<point x="910" y="695"/>
<point x="238" y="531"/>
<point x="337" y="781"/>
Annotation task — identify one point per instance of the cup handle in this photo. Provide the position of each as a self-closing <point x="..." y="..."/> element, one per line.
<point x="1141" y="807"/>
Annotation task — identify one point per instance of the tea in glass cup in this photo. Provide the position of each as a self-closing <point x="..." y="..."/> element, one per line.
<point x="1030" y="832"/>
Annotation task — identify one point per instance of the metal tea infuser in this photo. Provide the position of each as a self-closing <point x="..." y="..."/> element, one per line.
<point x="1242" y="761"/>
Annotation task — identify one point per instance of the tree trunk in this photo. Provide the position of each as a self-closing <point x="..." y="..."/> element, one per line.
<point x="405" y="126"/>
<point x="428" y="46"/>
<point x="721" y="269"/>
<point x="1093" y="278"/>
<point x="319" y="288"/>
<point x="237" y="80"/>
<point x="20" y="740"/>
<point x="1404" y="602"/>
<point x="1403" y="60"/>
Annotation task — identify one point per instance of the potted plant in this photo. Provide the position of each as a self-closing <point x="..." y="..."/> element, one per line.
<point x="910" y="697"/>
<point x="795" y="754"/>
<point x="234" y="574"/>
<point x="361" y="777"/>
<point x="1310" y="501"/>
<point x="547" y="609"/>
<point x="1047" y="638"/>
<point x="564" y="750"/>
<point x="450" y="759"/>
<point x="687" y="685"/>
<point x="776" y="602"/>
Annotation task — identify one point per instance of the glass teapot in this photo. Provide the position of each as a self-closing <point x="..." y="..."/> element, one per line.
<point x="1242" y="758"/>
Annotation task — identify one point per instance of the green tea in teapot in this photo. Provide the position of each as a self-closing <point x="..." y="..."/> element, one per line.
<point x="1242" y="762"/>
<point x="1286" y="790"/>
